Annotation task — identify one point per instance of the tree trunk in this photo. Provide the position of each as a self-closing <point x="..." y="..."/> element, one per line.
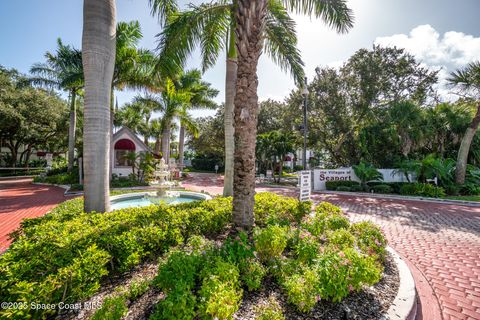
<point x="250" y="23"/>
<point x="98" y="55"/>
<point x="165" y="144"/>
<point x="71" y="130"/>
<point x="181" y="144"/>
<point x="230" y="83"/>
<point x="462" y="158"/>
<point x="157" y="145"/>
<point x="112" y="118"/>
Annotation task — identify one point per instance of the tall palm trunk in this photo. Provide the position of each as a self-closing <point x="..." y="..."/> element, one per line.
<point x="462" y="159"/>
<point x="181" y="144"/>
<point x="165" y="143"/>
<point x="71" y="130"/>
<point x="230" y="83"/>
<point x="157" y="145"/>
<point x="250" y="23"/>
<point x="98" y="55"/>
<point x="110" y="150"/>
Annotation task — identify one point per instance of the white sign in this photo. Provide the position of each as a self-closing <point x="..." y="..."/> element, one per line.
<point x="321" y="176"/>
<point x="269" y="173"/>
<point x="305" y="183"/>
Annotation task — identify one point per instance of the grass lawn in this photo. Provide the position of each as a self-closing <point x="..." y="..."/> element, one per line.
<point x="464" y="198"/>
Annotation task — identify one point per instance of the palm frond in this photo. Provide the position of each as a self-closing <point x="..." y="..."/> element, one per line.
<point x="188" y="29"/>
<point x="335" y="13"/>
<point x="281" y="41"/>
<point x="468" y="78"/>
<point x="163" y="9"/>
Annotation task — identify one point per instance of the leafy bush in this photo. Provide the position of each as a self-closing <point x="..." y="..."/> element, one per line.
<point x="252" y="273"/>
<point x="356" y="188"/>
<point x="61" y="178"/>
<point x="422" y="189"/>
<point x="274" y="209"/>
<point x="344" y="189"/>
<point x="302" y="289"/>
<point x="307" y="247"/>
<point x="366" y="173"/>
<point x="270" y="241"/>
<point x="327" y="217"/>
<point x="269" y="311"/>
<point x="220" y="293"/>
<point x="369" y="238"/>
<point x="207" y="164"/>
<point x="178" y="305"/>
<point x="237" y="250"/>
<point x="113" y="308"/>
<point x="63" y="255"/>
<point x="333" y="185"/>
<point x="382" y="188"/>
<point x="178" y="269"/>
<point x="340" y="273"/>
<point x="340" y="239"/>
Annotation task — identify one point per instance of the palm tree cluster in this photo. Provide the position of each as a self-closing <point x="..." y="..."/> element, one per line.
<point x="244" y="29"/>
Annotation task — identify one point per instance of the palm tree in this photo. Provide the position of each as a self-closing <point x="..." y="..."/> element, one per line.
<point x="63" y="70"/>
<point x="468" y="80"/>
<point x="98" y="55"/>
<point x="201" y="98"/>
<point x="251" y="20"/>
<point x="212" y="26"/>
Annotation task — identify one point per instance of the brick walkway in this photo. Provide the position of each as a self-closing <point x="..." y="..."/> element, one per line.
<point x="441" y="245"/>
<point x="20" y="199"/>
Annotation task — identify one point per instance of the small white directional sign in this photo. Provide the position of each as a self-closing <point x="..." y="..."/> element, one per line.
<point x="305" y="183"/>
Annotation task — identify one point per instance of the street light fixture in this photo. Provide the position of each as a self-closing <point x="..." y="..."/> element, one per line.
<point x="305" y="101"/>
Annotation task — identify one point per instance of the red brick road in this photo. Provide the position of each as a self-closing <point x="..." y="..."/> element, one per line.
<point x="20" y="199"/>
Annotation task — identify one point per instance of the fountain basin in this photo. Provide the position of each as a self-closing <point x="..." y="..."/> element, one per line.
<point x="143" y="199"/>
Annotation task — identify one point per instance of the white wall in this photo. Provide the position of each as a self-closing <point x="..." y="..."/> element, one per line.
<point x="321" y="176"/>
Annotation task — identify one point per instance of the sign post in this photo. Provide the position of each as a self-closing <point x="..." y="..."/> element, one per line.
<point x="305" y="183"/>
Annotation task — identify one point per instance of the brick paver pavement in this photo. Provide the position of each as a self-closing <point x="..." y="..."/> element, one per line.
<point x="20" y="199"/>
<point x="440" y="243"/>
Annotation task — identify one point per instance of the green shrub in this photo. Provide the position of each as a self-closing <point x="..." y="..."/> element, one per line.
<point x="137" y="289"/>
<point x="269" y="311"/>
<point x="113" y="308"/>
<point x="344" y="189"/>
<point x="327" y="217"/>
<point x="328" y="208"/>
<point x="61" y="178"/>
<point x="220" y="294"/>
<point x="271" y="208"/>
<point x="179" y="268"/>
<point x="50" y="259"/>
<point x="237" y="250"/>
<point x="340" y="239"/>
<point x="369" y="238"/>
<point x="307" y="247"/>
<point x="333" y="185"/>
<point x="357" y="188"/>
<point x="252" y="273"/>
<point x="382" y="188"/>
<point x="270" y="241"/>
<point x="302" y="289"/>
<point x="179" y="304"/>
<point x="422" y="189"/>
<point x="340" y="273"/>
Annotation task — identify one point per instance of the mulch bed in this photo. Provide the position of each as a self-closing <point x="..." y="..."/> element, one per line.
<point x="369" y="304"/>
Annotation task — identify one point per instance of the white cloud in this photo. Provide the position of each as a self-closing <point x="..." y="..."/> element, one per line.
<point x="447" y="52"/>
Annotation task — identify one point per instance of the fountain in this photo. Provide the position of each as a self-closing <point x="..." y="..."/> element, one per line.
<point x="162" y="194"/>
<point x="160" y="178"/>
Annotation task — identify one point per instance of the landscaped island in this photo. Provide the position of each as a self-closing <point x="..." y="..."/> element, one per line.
<point x="294" y="261"/>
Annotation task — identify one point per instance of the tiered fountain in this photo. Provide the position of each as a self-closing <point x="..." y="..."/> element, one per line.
<point x="162" y="195"/>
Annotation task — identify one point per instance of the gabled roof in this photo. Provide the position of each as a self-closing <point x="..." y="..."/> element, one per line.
<point x="132" y="135"/>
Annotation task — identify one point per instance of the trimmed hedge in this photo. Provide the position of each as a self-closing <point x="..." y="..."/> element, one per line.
<point x="333" y="185"/>
<point x="423" y="189"/>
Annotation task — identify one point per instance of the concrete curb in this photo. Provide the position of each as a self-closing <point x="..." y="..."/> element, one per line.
<point x="404" y="307"/>
<point x="396" y="197"/>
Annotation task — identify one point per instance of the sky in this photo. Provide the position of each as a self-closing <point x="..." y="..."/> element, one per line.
<point x="442" y="34"/>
